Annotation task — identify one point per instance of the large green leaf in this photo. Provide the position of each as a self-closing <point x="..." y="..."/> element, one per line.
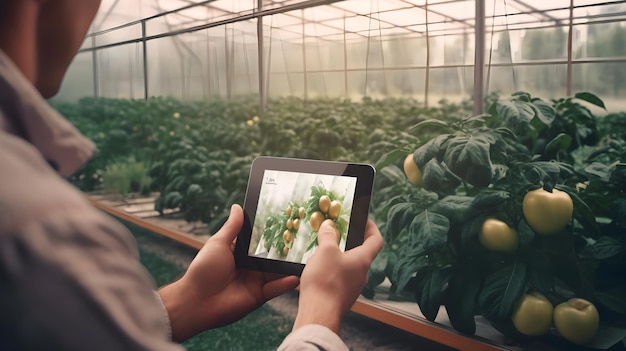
<point x="603" y="248"/>
<point x="559" y="143"/>
<point x="489" y="199"/>
<point x="590" y="98"/>
<point x="428" y="232"/>
<point x="468" y="157"/>
<point x="613" y="299"/>
<point x="430" y="150"/>
<point x="399" y="216"/>
<point x="518" y="114"/>
<point x="432" y="285"/>
<point x="433" y="175"/>
<point x="500" y="291"/>
<point x="457" y="208"/>
<point x="460" y="298"/>
<point x="544" y="111"/>
<point x="405" y="269"/>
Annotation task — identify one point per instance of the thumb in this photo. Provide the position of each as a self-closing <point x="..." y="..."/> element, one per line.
<point x="228" y="232"/>
<point x="328" y="233"/>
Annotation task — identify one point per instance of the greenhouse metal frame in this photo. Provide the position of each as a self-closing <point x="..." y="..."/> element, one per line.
<point x="374" y="24"/>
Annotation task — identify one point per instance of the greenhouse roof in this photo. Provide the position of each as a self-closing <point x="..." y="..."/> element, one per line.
<point x="341" y="20"/>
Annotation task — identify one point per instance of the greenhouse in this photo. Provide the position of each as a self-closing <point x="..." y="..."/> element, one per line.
<point x="496" y="128"/>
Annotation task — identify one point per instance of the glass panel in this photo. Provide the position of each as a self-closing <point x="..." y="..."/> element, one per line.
<point x="78" y="81"/>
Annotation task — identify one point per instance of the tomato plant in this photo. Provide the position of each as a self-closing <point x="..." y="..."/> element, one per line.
<point x="482" y="167"/>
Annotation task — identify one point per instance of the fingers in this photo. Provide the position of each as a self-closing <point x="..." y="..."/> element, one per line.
<point x="328" y="234"/>
<point x="372" y="243"/>
<point x="231" y="228"/>
<point x="277" y="287"/>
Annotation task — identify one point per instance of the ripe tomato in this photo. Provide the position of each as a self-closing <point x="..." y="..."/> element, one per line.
<point x="547" y="212"/>
<point x="324" y="203"/>
<point x="289" y="223"/>
<point x="496" y="235"/>
<point x="301" y="212"/>
<point x="288" y="211"/>
<point x="577" y="320"/>
<point x="532" y="314"/>
<point x="335" y="209"/>
<point x="316" y="220"/>
<point x="412" y="171"/>
<point x="296" y="224"/>
<point x="288" y="236"/>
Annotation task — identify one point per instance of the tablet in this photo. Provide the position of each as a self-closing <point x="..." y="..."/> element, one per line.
<point x="286" y="201"/>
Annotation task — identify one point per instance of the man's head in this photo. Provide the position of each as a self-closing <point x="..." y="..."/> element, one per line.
<point x="42" y="37"/>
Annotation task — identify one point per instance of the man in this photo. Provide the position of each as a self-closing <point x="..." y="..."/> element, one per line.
<point x="70" y="278"/>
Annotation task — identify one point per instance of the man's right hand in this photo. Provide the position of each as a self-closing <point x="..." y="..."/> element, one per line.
<point x="332" y="280"/>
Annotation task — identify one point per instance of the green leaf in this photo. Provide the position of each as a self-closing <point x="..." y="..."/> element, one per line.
<point x="603" y="248"/>
<point x="433" y="175"/>
<point x="428" y="232"/>
<point x="501" y="290"/>
<point x="526" y="234"/>
<point x="457" y="208"/>
<point x="590" y="98"/>
<point x="468" y="157"/>
<point x="613" y="299"/>
<point x="430" y="150"/>
<point x="173" y="200"/>
<point x="406" y="268"/>
<point x="460" y="299"/>
<point x="399" y="216"/>
<point x="560" y="143"/>
<point x="394" y="174"/>
<point x="390" y="158"/>
<point x="430" y="121"/>
<point x="430" y="298"/>
<point x="544" y="111"/>
<point x="489" y="199"/>
<point x="518" y="114"/>
<point x="540" y="271"/>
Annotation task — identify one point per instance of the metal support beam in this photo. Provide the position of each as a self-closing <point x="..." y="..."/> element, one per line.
<point x="260" y="52"/>
<point x="145" y="60"/>
<point x="570" y="34"/>
<point x="94" y="68"/>
<point x="479" y="58"/>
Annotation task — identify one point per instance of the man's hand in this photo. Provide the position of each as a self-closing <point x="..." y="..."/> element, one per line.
<point x="332" y="280"/>
<point x="213" y="293"/>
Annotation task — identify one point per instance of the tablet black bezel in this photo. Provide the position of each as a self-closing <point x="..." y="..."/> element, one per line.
<point x="364" y="174"/>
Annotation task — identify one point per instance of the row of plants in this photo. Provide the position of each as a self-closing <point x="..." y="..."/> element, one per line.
<point x="456" y="214"/>
<point x="517" y="215"/>
<point x="198" y="154"/>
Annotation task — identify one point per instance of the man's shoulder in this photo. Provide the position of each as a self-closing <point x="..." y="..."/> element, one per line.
<point x="29" y="186"/>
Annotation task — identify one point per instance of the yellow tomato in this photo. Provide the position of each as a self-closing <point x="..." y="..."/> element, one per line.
<point x="335" y="209"/>
<point x="496" y="235"/>
<point x="547" y="212"/>
<point x="412" y="171"/>
<point x="324" y="203"/>
<point x="577" y="320"/>
<point x="316" y="220"/>
<point x="532" y="314"/>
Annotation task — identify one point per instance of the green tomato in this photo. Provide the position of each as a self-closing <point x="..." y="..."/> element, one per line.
<point x="577" y="320"/>
<point x="532" y="314"/>
<point x="547" y="212"/>
<point x="412" y="171"/>
<point x="496" y="235"/>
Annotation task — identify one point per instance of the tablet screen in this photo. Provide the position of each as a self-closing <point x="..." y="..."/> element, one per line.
<point x="292" y="206"/>
<point x="286" y="202"/>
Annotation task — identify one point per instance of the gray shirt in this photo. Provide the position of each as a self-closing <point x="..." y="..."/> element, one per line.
<point x="70" y="278"/>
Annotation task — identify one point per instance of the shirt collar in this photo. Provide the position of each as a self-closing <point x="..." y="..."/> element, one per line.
<point x="23" y="111"/>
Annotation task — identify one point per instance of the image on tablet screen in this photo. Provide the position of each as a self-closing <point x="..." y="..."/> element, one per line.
<point x="292" y="206"/>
